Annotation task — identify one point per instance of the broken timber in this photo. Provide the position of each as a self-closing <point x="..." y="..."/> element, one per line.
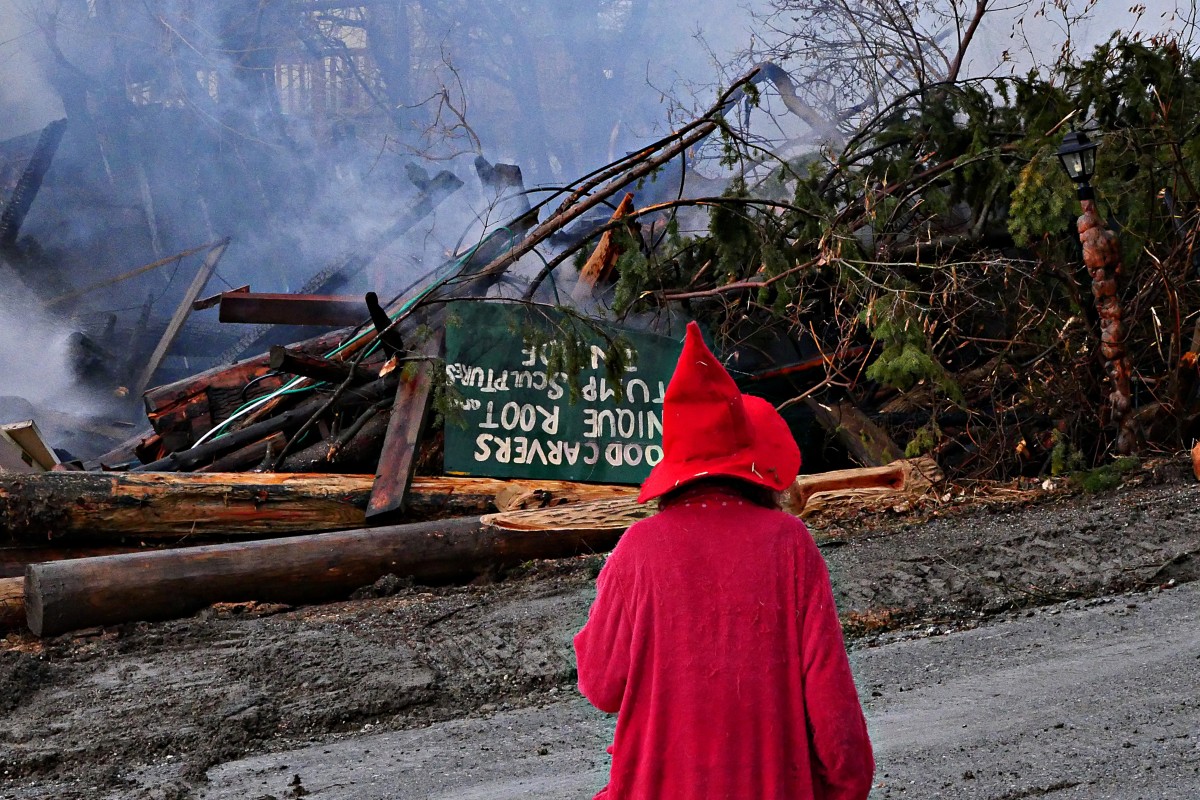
<point x="166" y="584"/>
<point x="291" y="309"/>
<point x="180" y="316"/>
<point x="389" y="495"/>
<point x="599" y="266"/>
<point x="315" y="367"/>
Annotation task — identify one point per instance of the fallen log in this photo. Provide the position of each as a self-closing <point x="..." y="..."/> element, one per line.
<point x="68" y="595"/>
<point x="12" y="603"/>
<point x="900" y="480"/>
<point x="14" y="559"/>
<point x="93" y="508"/>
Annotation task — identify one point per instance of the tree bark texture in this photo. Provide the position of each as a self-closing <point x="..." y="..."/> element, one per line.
<point x="98" y="508"/>
<point x="1102" y="257"/>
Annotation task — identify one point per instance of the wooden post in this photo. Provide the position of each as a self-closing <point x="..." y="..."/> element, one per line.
<point x="409" y="414"/>
<point x="68" y="595"/>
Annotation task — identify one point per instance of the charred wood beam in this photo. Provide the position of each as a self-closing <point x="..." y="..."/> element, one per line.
<point x="290" y="309"/>
<point x="249" y="456"/>
<point x="18" y="205"/>
<point x="315" y="367"/>
<point x="389" y="337"/>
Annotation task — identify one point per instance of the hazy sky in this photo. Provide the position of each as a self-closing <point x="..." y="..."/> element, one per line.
<point x="27" y="102"/>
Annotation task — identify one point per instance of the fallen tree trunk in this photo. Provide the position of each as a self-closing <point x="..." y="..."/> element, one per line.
<point x="68" y="595"/>
<point x="95" y="507"/>
<point x="12" y="603"/>
<point x="88" y="506"/>
<point x="14" y="559"/>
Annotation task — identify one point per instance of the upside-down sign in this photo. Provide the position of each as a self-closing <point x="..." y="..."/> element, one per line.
<point x="519" y="419"/>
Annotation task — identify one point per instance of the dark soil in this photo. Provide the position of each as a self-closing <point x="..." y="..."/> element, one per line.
<point x="85" y="714"/>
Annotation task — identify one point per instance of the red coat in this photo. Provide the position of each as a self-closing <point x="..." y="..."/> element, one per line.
<point x="715" y="639"/>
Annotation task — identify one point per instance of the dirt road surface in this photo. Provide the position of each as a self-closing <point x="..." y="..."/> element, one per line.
<point x="468" y="691"/>
<point x="1092" y="700"/>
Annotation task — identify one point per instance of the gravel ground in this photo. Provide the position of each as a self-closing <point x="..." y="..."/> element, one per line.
<point x="154" y="710"/>
<point x="1089" y="699"/>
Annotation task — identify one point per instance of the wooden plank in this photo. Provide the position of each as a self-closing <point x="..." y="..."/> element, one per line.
<point x="405" y="427"/>
<point x="258" y="308"/>
<point x="181" y="314"/>
<point x="80" y="593"/>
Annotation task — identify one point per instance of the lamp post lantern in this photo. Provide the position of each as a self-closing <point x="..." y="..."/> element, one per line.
<point x="1102" y="257"/>
<point x="1077" y="153"/>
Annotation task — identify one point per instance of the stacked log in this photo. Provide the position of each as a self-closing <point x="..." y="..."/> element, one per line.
<point x="98" y="507"/>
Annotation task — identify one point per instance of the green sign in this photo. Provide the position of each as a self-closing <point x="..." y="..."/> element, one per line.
<point x="520" y="421"/>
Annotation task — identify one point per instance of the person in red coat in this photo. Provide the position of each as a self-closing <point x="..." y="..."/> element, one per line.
<point x="713" y="635"/>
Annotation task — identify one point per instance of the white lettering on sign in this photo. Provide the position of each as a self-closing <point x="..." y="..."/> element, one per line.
<point x="526" y="450"/>
<point x="519" y="416"/>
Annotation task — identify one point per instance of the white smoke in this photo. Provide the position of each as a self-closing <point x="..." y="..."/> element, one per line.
<point x="27" y="100"/>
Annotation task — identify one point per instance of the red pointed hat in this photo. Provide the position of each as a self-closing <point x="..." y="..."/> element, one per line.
<point x="711" y="429"/>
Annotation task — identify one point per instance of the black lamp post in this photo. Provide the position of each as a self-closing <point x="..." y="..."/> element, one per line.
<point x="1078" y="156"/>
<point x="1102" y="256"/>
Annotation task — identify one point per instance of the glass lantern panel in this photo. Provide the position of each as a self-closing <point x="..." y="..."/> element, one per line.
<point x="1074" y="164"/>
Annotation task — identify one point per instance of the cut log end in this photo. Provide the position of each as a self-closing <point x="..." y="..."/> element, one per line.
<point x="12" y="603"/>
